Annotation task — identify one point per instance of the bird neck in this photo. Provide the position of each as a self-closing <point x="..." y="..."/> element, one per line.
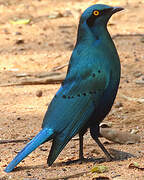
<point x="100" y="32"/>
<point x="91" y="35"/>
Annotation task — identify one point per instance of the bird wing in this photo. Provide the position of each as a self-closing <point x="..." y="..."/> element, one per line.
<point x="72" y="107"/>
<point x="74" y="102"/>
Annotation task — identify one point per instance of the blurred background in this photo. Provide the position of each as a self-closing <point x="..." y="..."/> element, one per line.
<point x="36" y="40"/>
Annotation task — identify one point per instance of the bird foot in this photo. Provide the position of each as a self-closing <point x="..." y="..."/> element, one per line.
<point x="77" y="161"/>
<point x="81" y="160"/>
<point x="110" y="158"/>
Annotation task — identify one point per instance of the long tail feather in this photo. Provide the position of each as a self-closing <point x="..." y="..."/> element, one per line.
<point x="57" y="146"/>
<point x="44" y="135"/>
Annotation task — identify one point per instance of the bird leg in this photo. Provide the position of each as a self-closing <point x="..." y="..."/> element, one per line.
<point x="94" y="131"/>
<point x="81" y="157"/>
<point x="103" y="149"/>
<point x="81" y="134"/>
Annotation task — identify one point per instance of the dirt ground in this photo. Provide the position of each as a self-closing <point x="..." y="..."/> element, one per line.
<point x="45" y="43"/>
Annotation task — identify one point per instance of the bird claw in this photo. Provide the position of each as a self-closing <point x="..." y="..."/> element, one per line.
<point x="77" y="161"/>
<point x="110" y="158"/>
<point x="81" y="160"/>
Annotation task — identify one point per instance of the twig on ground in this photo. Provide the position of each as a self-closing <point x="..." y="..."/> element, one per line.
<point x="13" y="141"/>
<point x="127" y="35"/>
<point x="140" y="82"/>
<point x="140" y="100"/>
<point x="69" y="176"/>
<point x="52" y="79"/>
<point x="60" y="67"/>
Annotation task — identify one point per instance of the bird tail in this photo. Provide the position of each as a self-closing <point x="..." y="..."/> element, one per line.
<point x="56" y="148"/>
<point x="44" y="135"/>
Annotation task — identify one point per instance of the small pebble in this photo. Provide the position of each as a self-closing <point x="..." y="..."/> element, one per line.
<point x="28" y="173"/>
<point x="6" y="31"/>
<point x="142" y="39"/>
<point x="39" y="93"/>
<point x="21" y="49"/>
<point x="136" y="59"/>
<point x="17" y="33"/>
<point x="20" y="41"/>
<point x="18" y="118"/>
<point x="43" y="149"/>
<point x="127" y="81"/>
<point x="134" y="131"/>
<point x="137" y="74"/>
<point x="118" y="105"/>
<point x="64" y="169"/>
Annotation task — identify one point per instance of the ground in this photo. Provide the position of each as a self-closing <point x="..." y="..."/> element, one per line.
<point x="45" y="43"/>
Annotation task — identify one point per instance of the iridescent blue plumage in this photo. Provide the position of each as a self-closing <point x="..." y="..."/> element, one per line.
<point x="88" y="92"/>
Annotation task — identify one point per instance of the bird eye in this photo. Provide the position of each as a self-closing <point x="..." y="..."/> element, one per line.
<point x="96" y="13"/>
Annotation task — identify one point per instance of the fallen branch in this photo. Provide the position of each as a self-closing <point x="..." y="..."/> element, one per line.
<point x="52" y="79"/>
<point x="60" y="67"/>
<point x="13" y="141"/>
<point x="51" y="72"/>
<point x="140" y="100"/>
<point x="118" y="136"/>
<point x="140" y="82"/>
<point x="127" y="35"/>
<point x="69" y="176"/>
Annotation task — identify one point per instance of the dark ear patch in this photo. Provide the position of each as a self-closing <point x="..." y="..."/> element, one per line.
<point x="91" y="20"/>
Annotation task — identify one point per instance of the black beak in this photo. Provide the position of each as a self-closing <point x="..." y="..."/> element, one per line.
<point x="116" y="9"/>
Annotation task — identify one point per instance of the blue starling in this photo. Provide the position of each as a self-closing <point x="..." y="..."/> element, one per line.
<point x="88" y="91"/>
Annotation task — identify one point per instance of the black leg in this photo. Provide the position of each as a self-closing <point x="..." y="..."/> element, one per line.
<point x="103" y="149"/>
<point x="94" y="131"/>
<point x="81" y="134"/>
<point x="81" y="157"/>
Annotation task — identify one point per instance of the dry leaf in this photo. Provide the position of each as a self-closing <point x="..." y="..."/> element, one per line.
<point x="135" y="165"/>
<point x="99" y="169"/>
<point x="101" y="178"/>
<point x="20" y="21"/>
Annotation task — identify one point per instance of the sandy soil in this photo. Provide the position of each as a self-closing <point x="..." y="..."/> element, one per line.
<point x="46" y="43"/>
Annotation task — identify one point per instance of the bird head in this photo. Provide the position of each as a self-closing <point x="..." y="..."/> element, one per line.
<point x="98" y="14"/>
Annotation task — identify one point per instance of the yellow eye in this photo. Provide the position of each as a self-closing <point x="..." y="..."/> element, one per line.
<point x="96" y="13"/>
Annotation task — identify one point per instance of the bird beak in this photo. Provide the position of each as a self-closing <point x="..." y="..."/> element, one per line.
<point x="116" y="9"/>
